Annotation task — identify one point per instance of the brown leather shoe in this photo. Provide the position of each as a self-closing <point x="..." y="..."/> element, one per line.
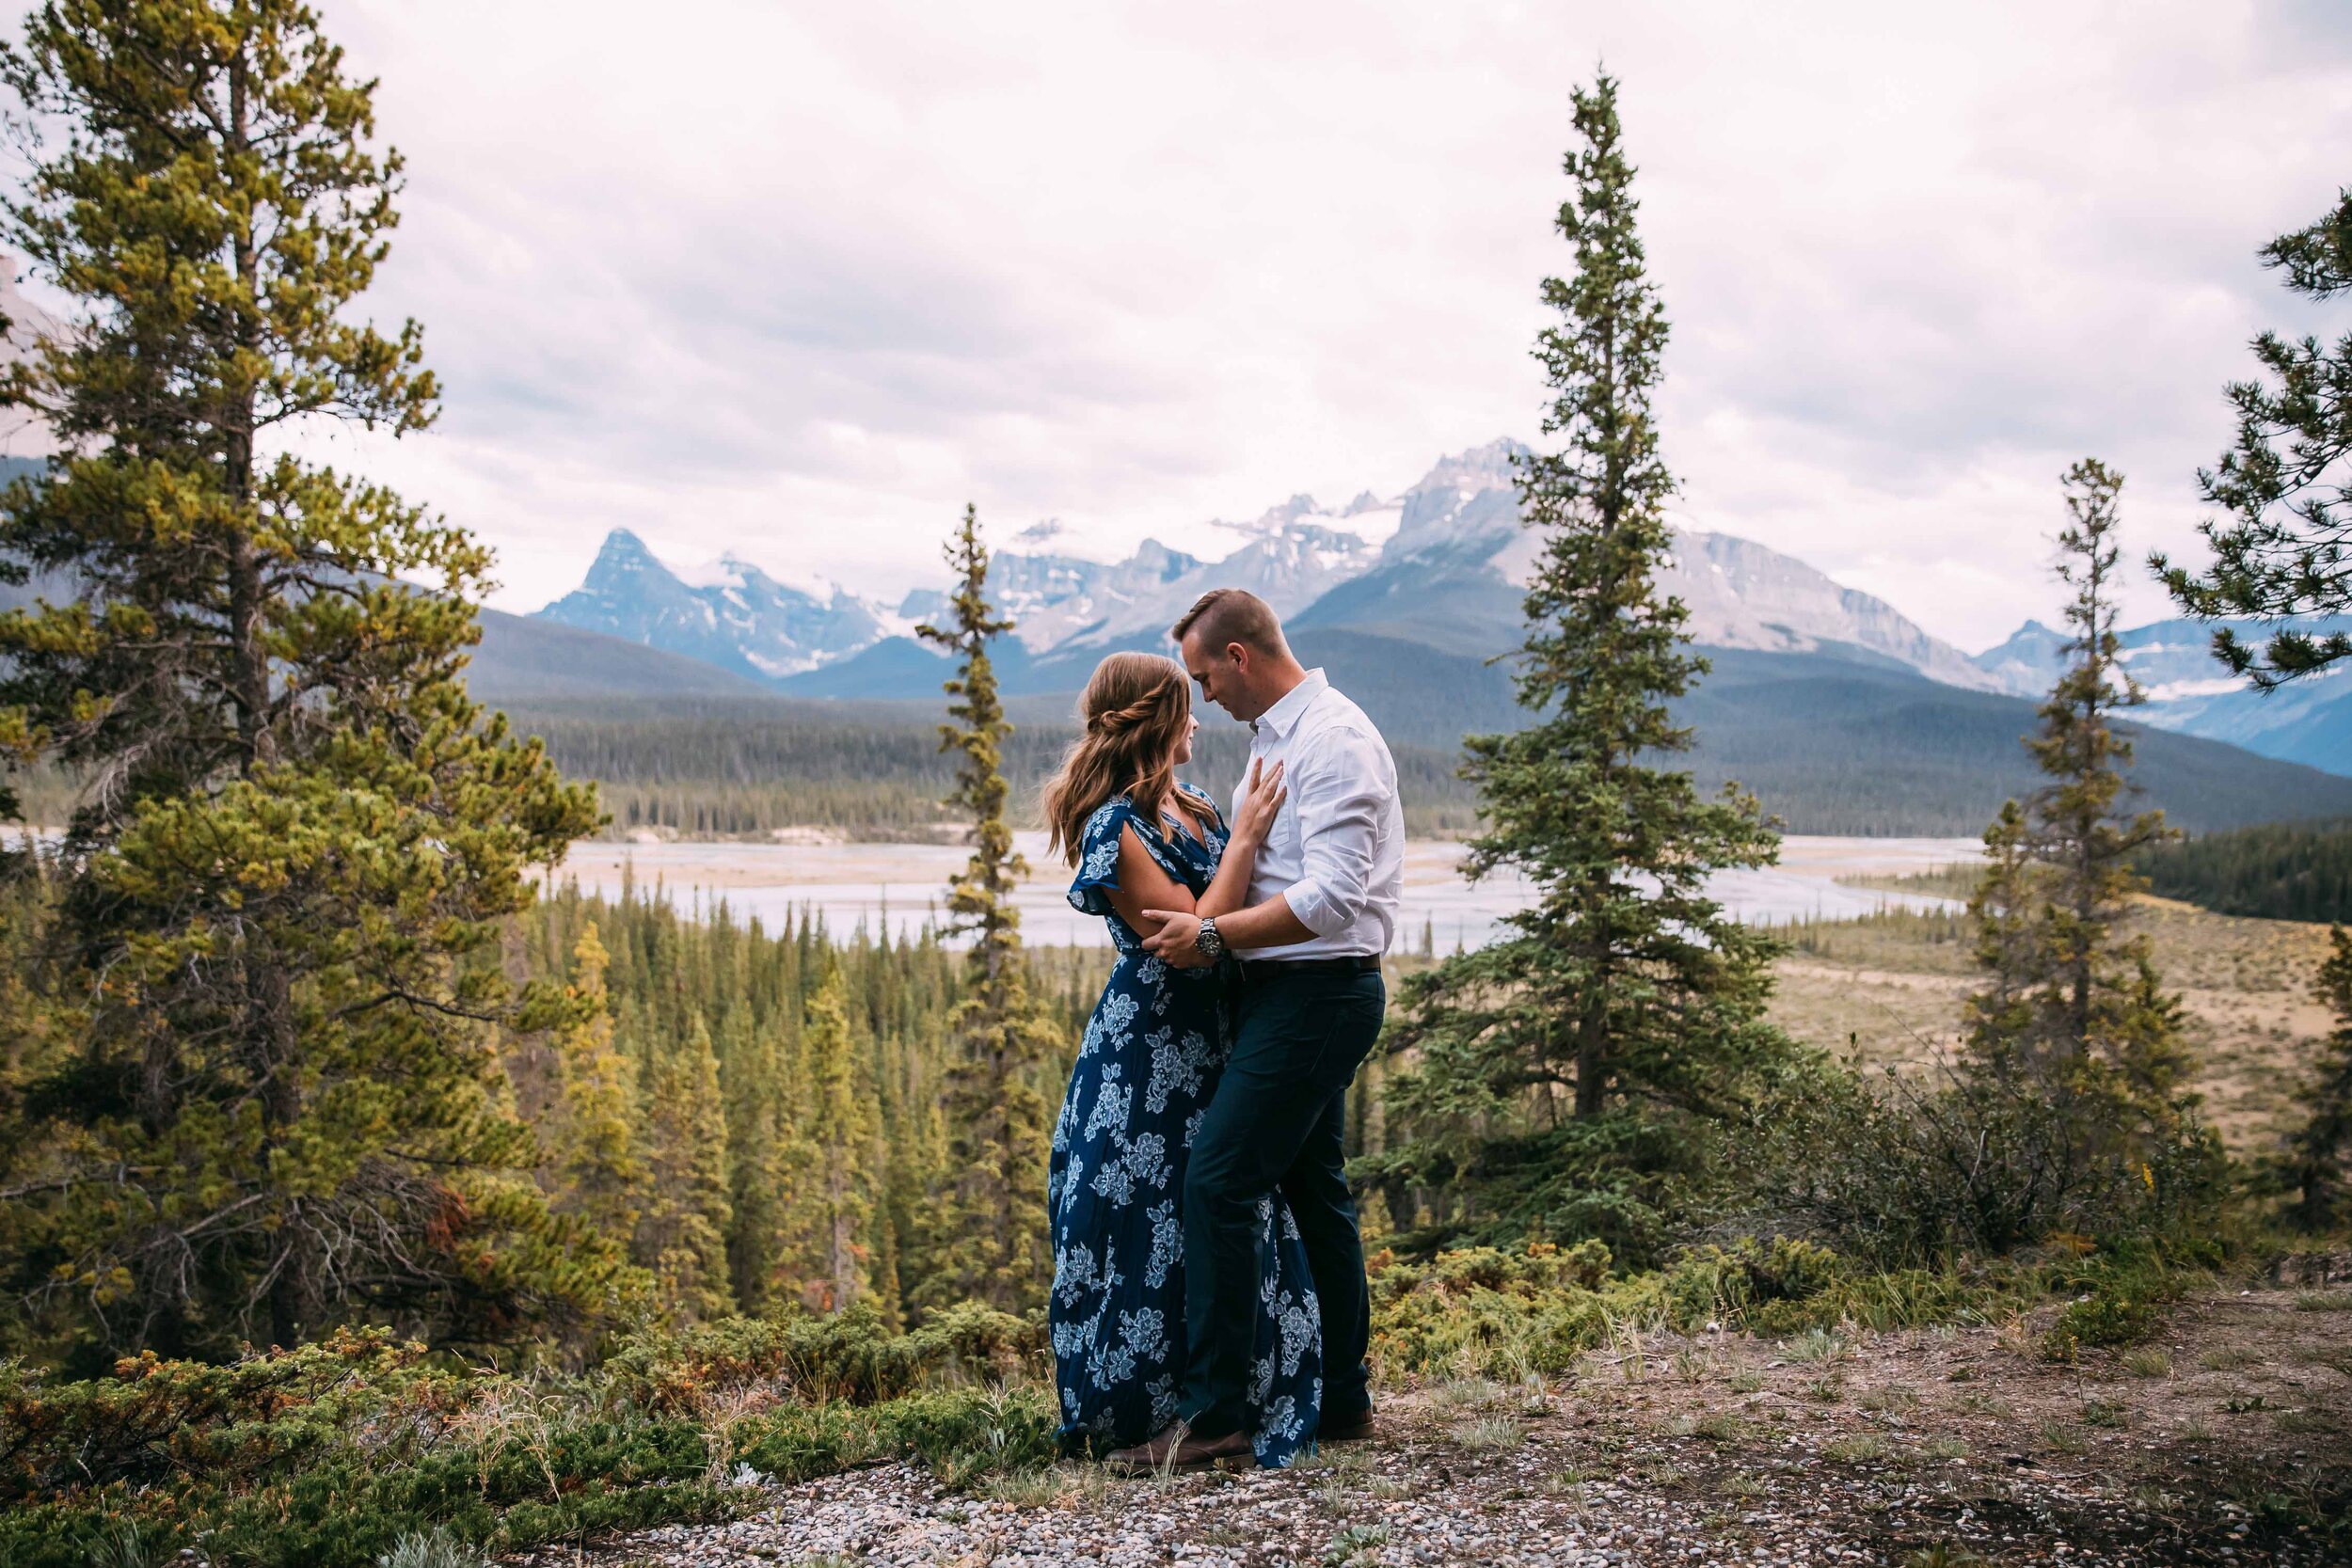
<point x="1176" y="1449"/>
<point x="1347" y="1428"/>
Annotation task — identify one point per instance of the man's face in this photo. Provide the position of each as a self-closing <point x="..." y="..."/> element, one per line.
<point x="1221" y="673"/>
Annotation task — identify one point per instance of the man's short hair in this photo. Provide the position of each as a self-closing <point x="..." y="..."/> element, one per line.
<point x="1224" y="615"/>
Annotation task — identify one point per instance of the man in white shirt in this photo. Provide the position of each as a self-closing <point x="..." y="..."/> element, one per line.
<point x="1323" y="908"/>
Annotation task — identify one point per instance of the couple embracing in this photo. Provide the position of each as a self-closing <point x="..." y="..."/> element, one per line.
<point x="1209" y="1299"/>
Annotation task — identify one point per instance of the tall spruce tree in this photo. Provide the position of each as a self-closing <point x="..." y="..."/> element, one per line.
<point x="755" y="1076"/>
<point x="681" y="1233"/>
<point x="281" y="891"/>
<point x="991" y="1241"/>
<point x="2319" y="1155"/>
<point x="2284" y="544"/>
<point x="835" y="1199"/>
<point x="599" y="1173"/>
<point x="1625" y="993"/>
<point x="2073" y="1000"/>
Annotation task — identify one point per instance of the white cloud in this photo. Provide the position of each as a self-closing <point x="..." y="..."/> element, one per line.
<point x="797" y="281"/>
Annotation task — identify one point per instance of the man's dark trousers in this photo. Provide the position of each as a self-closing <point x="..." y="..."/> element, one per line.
<point x="1275" y="1124"/>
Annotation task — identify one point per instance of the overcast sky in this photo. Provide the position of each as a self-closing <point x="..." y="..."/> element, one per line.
<point x="797" y="280"/>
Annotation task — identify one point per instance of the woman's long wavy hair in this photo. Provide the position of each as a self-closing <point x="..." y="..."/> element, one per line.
<point x="1135" y="708"/>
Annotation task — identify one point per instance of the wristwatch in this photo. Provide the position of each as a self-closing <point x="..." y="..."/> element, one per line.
<point x="1207" y="942"/>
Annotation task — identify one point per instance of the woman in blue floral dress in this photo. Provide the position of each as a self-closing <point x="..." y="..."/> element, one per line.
<point x="1145" y="1071"/>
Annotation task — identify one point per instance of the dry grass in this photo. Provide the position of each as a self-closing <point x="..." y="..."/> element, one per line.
<point x="1889" y="989"/>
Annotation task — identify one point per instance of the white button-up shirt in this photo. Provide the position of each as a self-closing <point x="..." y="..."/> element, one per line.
<point x="1335" y="850"/>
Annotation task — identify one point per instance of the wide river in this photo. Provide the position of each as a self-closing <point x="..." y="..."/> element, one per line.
<point x="906" y="883"/>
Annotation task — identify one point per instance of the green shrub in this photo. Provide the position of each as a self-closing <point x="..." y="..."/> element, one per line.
<point x="154" y="1420"/>
<point x="2122" y="1292"/>
<point x="2098" y="1319"/>
<point x="1992" y="1162"/>
<point x="1778" y="1286"/>
<point x="851" y="1355"/>
<point x="1484" y="1310"/>
<point x="339" y="1454"/>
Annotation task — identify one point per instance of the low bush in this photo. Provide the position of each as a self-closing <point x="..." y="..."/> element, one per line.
<point x="1772" y="1286"/>
<point x="1988" y="1163"/>
<point x="850" y="1355"/>
<point x="1504" y="1313"/>
<point x="332" y="1455"/>
<point x="2122" y="1292"/>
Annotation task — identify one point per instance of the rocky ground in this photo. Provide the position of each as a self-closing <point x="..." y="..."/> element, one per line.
<point x="2228" y="1440"/>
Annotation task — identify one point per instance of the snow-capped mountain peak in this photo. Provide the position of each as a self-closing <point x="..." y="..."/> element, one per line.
<point x="1445" y="560"/>
<point x="729" y="613"/>
<point x="1470" y="495"/>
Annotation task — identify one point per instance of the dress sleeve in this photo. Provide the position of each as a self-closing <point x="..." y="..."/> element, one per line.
<point x="1098" y="855"/>
<point x="1098" y="858"/>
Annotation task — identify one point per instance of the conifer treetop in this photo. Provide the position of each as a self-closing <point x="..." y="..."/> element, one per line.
<point x="2283" y="544"/>
<point x="979" y="901"/>
<point x="2073" y="999"/>
<point x="991" y="1208"/>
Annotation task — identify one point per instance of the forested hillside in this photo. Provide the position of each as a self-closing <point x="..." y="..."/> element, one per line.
<point x="717" y="770"/>
<point x="1831" y="745"/>
<point x="2279" y="871"/>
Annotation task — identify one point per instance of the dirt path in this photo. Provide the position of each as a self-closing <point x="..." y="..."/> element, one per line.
<point x="2224" y="1441"/>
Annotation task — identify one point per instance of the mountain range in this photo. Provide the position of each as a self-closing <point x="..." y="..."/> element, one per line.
<point x="1442" y="564"/>
<point x="2307" y="720"/>
<point x="1841" y="713"/>
<point x="1441" y="567"/>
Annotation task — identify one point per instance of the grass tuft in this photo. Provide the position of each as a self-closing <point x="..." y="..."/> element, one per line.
<point x="1356" y="1543"/>
<point x="1038" y="1487"/>
<point x="1861" y="1447"/>
<point x="1487" y="1434"/>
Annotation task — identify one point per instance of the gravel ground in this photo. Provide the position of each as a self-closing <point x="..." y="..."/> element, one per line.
<point x="2224" y="1443"/>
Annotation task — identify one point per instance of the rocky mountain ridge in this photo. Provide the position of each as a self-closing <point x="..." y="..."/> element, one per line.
<point x="1443" y="566"/>
<point x="1457" y="528"/>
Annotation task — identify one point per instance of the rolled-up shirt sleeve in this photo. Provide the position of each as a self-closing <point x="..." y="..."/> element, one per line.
<point x="1336" y="782"/>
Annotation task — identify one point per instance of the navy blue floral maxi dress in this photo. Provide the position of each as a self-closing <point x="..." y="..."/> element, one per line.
<point x="1146" y="1069"/>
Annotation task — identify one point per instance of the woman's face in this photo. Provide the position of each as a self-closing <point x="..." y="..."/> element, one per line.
<point x="1183" y="741"/>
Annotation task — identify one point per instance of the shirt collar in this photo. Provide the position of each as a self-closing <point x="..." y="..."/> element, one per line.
<point x="1283" y="716"/>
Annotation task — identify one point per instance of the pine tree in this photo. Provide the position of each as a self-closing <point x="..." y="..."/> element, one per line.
<point x="837" y="1196"/>
<point x="682" y="1234"/>
<point x="2006" y="912"/>
<point x="2073" y="996"/>
<point x="2284" y="546"/>
<point x="281" y="892"/>
<point x="1626" y="990"/>
<point x="598" y="1173"/>
<point x="994" y="1248"/>
<point x="2319" y="1156"/>
<point x="758" y="1132"/>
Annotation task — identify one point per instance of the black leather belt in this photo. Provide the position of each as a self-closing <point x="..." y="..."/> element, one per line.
<point x="1260" y="969"/>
